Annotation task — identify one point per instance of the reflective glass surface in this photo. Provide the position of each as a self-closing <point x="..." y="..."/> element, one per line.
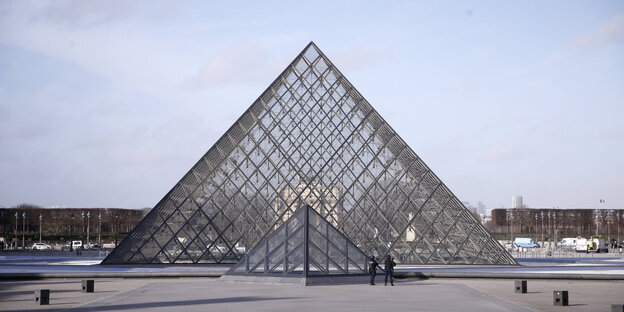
<point x="310" y="139"/>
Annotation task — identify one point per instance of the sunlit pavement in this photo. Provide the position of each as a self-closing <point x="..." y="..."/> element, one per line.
<point x="605" y="267"/>
<point x="204" y="294"/>
<point x="189" y="288"/>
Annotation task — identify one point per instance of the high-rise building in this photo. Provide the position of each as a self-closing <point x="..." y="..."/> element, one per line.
<point x="481" y="207"/>
<point x="516" y="201"/>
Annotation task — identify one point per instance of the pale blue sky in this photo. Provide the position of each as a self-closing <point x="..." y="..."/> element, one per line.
<point x="110" y="103"/>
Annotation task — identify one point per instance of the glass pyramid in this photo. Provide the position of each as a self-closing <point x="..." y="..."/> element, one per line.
<point x="310" y="139"/>
<point x="306" y="244"/>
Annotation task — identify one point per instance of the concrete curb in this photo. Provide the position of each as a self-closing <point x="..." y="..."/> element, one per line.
<point x="28" y="275"/>
<point x="515" y="275"/>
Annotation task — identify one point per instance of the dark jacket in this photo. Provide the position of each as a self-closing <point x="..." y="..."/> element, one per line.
<point x="389" y="265"/>
<point x="372" y="265"/>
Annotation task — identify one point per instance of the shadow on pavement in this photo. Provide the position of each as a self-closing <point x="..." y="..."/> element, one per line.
<point x="31" y="292"/>
<point x="160" y="304"/>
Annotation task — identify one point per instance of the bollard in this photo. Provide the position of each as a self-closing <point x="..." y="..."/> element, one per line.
<point x="42" y="296"/>
<point x="560" y="297"/>
<point x="87" y="286"/>
<point x="521" y="287"/>
<point x="617" y="308"/>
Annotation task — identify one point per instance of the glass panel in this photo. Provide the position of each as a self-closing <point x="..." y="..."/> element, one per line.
<point x="337" y="260"/>
<point x="295" y="240"/>
<point x="277" y="257"/>
<point x="277" y="239"/>
<point x="162" y="257"/>
<point x="149" y="250"/>
<point x="319" y="257"/>
<point x="257" y="256"/>
<point x="319" y="240"/>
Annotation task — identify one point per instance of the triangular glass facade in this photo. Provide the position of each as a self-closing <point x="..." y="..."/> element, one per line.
<point x="310" y="139"/>
<point x="306" y="244"/>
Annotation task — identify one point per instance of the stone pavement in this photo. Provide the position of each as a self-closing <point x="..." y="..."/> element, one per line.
<point x="12" y="267"/>
<point x="202" y="294"/>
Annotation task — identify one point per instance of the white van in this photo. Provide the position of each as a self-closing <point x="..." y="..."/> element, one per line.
<point x="592" y="244"/>
<point x="76" y="245"/>
<point x="568" y="242"/>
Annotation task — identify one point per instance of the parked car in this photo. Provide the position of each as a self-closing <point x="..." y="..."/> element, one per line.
<point x="66" y="246"/>
<point x="510" y="246"/>
<point x="41" y="246"/>
<point x="216" y="249"/>
<point x="240" y="248"/>
<point x="526" y="242"/>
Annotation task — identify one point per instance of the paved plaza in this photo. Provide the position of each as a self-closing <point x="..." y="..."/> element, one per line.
<point x="202" y="294"/>
<point x="593" y="285"/>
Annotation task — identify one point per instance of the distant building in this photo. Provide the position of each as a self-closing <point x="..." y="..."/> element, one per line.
<point x="557" y="222"/>
<point x="322" y="198"/>
<point x="410" y="234"/>
<point x="481" y="208"/>
<point x="516" y="201"/>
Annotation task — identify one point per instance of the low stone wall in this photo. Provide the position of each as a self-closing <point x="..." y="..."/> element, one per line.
<point x="57" y="253"/>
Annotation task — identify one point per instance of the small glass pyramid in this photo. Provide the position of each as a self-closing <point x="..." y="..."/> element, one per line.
<point x="306" y="244"/>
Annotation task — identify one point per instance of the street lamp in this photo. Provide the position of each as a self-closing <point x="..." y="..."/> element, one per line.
<point x="116" y="228"/>
<point x="40" y="221"/>
<point x="15" y="244"/>
<point x="555" y="228"/>
<point x="71" y="232"/>
<point x="88" y="223"/>
<point x="82" y="226"/>
<point x="549" y="225"/>
<point x="535" y="228"/>
<point x="23" y="229"/>
<point x="508" y="215"/>
<point x="597" y="222"/>
<point x="609" y="225"/>
<point x="542" y="229"/>
<point x="618" y="228"/>
<point x="100" y="229"/>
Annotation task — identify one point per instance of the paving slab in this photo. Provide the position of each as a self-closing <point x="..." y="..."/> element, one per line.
<point x="64" y="293"/>
<point x="188" y="288"/>
<point x="607" y="268"/>
<point x="584" y="295"/>
<point x="202" y="294"/>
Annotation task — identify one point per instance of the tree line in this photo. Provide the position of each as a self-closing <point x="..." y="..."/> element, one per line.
<point x="30" y="219"/>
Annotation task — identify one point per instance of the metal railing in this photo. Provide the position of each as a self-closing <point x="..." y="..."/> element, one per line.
<point x="563" y="253"/>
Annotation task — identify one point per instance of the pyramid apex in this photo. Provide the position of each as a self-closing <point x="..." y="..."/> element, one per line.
<point x="311" y="44"/>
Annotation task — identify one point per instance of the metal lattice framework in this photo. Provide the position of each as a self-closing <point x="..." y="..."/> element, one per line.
<point x="310" y="139"/>
<point x="306" y="244"/>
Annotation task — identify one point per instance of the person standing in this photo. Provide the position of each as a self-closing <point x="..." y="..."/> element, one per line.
<point x="389" y="269"/>
<point x="372" y="269"/>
